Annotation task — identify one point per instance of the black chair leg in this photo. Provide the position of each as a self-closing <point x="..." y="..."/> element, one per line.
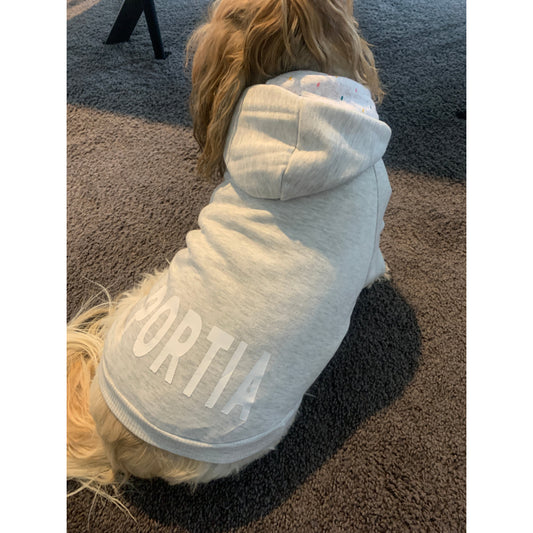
<point x="127" y="19"/>
<point x="153" y="28"/>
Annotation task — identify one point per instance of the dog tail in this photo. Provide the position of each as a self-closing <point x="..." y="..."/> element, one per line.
<point x="87" y="461"/>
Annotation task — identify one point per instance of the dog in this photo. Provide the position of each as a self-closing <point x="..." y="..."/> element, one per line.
<point x="200" y="369"/>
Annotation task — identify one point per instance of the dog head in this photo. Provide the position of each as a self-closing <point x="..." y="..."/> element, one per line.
<point x="247" y="42"/>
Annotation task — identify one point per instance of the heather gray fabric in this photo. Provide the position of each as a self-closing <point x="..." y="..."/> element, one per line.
<point x="214" y="362"/>
<point x="379" y="441"/>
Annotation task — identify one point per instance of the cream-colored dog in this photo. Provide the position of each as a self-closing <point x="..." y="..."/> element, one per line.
<point x="201" y="369"/>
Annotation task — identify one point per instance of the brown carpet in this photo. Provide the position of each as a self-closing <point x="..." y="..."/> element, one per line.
<point x="380" y="441"/>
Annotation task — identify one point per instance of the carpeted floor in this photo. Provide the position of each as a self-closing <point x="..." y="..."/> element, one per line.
<point x="379" y="444"/>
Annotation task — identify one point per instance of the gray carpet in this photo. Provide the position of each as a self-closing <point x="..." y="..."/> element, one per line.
<point x="379" y="444"/>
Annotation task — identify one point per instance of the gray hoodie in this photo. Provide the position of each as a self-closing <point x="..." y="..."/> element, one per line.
<point x="214" y="362"/>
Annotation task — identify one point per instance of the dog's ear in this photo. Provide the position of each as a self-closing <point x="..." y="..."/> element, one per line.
<point x="217" y="83"/>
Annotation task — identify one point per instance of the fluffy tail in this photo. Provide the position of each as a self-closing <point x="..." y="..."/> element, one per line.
<point x="86" y="458"/>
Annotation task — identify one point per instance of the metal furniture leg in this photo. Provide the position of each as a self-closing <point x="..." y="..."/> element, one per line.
<point x="153" y="28"/>
<point x="127" y="19"/>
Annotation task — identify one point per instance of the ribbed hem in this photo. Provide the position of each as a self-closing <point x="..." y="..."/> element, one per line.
<point x="224" y="453"/>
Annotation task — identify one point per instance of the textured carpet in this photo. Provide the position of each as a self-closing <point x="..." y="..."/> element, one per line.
<point x="379" y="444"/>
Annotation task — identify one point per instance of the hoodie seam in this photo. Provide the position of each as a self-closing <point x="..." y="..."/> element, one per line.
<point x="296" y="147"/>
<point x="374" y="248"/>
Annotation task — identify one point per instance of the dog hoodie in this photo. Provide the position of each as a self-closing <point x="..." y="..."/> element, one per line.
<point x="213" y="363"/>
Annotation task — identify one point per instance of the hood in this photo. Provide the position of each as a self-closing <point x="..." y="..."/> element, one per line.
<point x="303" y="133"/>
